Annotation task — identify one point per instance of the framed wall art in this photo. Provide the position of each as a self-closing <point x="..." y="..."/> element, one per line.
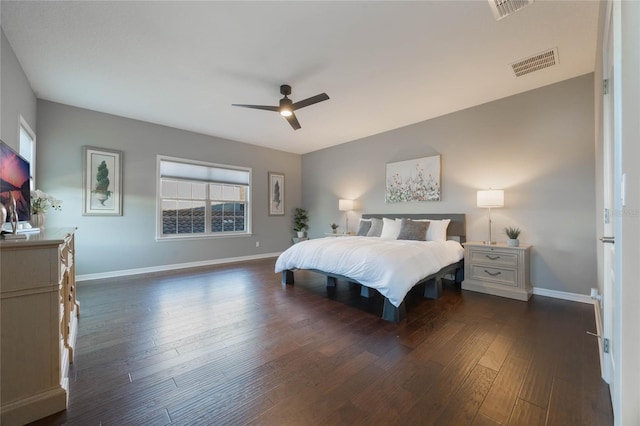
<point x="413" y="180"/>
<point x="102" y="182"/>
<point x="276" y="194"/>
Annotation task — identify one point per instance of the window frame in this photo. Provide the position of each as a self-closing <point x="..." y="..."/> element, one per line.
<point x="208" y="234"/>
<point x="23" y="125"/>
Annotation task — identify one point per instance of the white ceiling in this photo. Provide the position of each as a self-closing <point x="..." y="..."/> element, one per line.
<point x="384" y="64"/>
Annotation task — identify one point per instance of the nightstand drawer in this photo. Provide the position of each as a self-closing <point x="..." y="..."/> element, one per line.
<point x="497" y="275"/>
<point x="493" y="258"/>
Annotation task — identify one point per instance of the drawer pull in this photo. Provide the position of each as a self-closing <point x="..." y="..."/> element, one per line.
<point x="493" y="274"/>
<point x="492" y="257"/>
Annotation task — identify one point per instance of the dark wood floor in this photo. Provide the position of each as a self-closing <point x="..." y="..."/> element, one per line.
<point x="229" y="345"/>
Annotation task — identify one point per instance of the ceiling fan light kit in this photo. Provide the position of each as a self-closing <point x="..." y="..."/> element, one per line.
<point x="287" y="107"/>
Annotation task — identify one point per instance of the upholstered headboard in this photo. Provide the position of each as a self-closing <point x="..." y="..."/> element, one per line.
<point x="457" y="229"/>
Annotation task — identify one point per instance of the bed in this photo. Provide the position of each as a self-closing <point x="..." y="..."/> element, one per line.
<point x="378" y="264"/>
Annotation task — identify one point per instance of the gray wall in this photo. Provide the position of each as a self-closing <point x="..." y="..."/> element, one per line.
<point x="107" y="244"/>
<point x="538" y="146"/>
<point x="16" y="95"/>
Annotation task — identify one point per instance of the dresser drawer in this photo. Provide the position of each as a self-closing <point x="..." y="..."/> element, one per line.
<point x="493" y="258"/>
<point x="498" y="275"/>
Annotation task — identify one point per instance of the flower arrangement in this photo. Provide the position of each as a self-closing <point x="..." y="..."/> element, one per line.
<point x="334" y="226"/>
<point x="41" y="201"/>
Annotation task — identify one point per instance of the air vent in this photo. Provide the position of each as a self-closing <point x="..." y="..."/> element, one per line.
<point x="504" y="8"/>
<point x="536" y="62"/>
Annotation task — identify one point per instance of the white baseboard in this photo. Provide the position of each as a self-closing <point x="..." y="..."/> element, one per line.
<point x="574" y="297"/>
<point x="163" y="268"/>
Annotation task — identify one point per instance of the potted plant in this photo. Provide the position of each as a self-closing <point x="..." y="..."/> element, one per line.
<point x="334" y="227"/>
<point x="300" y="220"/>
<point x="513" y="232"/>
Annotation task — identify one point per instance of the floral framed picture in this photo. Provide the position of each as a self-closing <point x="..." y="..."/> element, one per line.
<point x="102" y="182"/>
<point x="276" y="194"/>
<point x="413" y="180"/>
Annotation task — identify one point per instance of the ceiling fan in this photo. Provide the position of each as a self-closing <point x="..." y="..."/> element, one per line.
<point x="287" y="107"/>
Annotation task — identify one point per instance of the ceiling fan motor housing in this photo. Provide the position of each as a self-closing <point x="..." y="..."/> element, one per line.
<point x="285" y="89"/>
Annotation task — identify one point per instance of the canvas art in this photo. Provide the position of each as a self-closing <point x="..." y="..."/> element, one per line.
<point x="413" y="180"/>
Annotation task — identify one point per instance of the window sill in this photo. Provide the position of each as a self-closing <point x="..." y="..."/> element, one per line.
<point x="188" y="237"/>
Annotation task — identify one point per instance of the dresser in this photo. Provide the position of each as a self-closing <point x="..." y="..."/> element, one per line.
<point x="497" y="269"/>
<point x="39" y="318"/>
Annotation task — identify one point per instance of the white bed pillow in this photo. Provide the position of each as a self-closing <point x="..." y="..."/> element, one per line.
<point x="437" y="230"/>
<point x="390" y="229"/>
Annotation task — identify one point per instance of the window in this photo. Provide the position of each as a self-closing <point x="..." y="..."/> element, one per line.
<point x="198" y="199"/>
<point x="28" y="149"/>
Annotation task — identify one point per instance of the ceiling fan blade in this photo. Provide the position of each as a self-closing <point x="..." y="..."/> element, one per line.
<point x="310" y="101"/>
<point x="293" y="121"/>
<point x="264" y="107"/>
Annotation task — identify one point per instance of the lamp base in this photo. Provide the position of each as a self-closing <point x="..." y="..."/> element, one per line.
<point x="489" y="243"/>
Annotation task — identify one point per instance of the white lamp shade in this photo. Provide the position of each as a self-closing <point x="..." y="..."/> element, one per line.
<point x="491" y="198"/>
<point x="345" y="205"/>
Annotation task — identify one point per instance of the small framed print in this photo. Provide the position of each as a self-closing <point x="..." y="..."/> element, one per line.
<point x="102" y="182"/>
<point x="276" y="194"/>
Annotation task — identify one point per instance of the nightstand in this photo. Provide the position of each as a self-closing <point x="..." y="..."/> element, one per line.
<point x="497" y="269"/>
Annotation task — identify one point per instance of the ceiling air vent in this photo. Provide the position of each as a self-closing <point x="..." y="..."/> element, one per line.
<point x="537" y="62"/>
<point x="504" y="8"/>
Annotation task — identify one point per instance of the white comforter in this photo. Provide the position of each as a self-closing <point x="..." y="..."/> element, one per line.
<point x="390" y="266"/>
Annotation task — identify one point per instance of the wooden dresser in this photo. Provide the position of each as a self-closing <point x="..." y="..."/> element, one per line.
<point x="39" y="317"/>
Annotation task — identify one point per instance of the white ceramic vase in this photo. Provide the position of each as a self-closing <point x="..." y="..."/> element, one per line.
<point x="513" y="242"/>
<point x="38" y="219"/>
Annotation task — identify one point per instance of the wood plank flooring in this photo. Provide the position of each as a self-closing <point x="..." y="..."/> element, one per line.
<point x="227" y="345"/>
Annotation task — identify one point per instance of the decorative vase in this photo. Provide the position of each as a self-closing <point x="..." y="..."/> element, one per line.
<point x="38" y="219"/>
<point x="3" y="214"/>
<point x="300" y="234"/>
<point x="513" y="242"/>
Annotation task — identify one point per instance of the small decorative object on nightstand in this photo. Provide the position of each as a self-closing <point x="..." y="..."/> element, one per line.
<point x="499" y="269"/>
<point x="513" y="232"/>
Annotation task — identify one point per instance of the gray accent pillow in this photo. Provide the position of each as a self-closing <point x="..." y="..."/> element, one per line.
<point x="376" y="227"/>
<point x="410" y="230"/>
<point x="364" y="227"/>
